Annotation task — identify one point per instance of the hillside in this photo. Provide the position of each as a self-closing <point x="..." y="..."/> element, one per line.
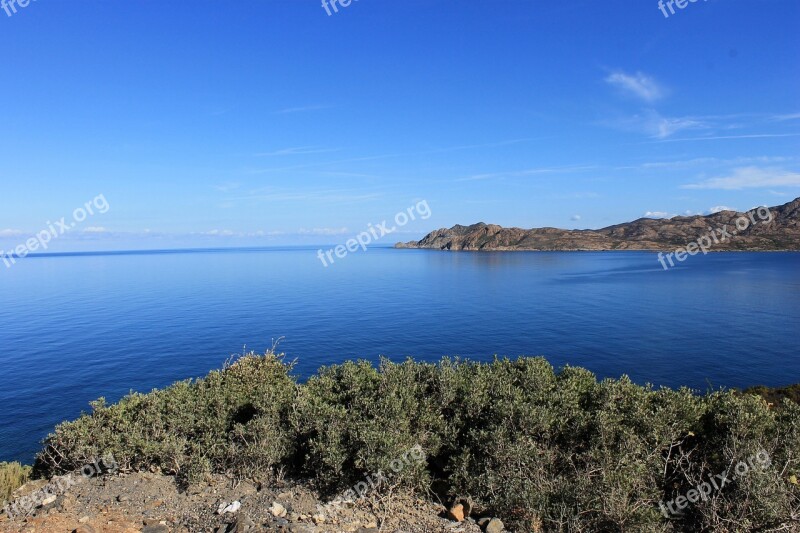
<point x="767" y="229"/>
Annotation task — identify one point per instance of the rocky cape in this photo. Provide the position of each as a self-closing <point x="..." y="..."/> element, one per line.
<point x="780" y="232"/>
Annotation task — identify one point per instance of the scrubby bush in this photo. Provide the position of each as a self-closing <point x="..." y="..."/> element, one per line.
<point x="234" y="420"/>
<point x="353" y="420"/>
<point x="545" y="450"/>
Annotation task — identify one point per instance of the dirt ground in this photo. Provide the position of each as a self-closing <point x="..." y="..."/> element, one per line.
<point x="154" y="503"/>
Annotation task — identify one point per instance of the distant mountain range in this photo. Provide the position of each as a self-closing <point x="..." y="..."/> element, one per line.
<point x="761" y="229"/>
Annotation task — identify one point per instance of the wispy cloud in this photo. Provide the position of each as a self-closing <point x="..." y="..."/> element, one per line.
<point x="303" y="166"/>
<point x="638" y="85"/>
<point x="657" y="214"/>
<point x="322" y="231"/>
<point x="723" y="137"/>
<point x="750" y="178"/>
<point x="11" y="233"/>
<point x="262" y="233"/>
<point x="395" y="155"/>
<point x="707" y="162"/>
<point x="653" y="124"/>
<point x="274" y="233"/>
<point x="789" y="116"/>
<point x="300" y="109"/>
<point x="529" y="172"/>
<point x="576" y="195"/>
<point x="719" y="209"/>
<point x="301" y="150"/>
<point x="227" y="187"/>
<point x="95" y="229"/>
<point x="717" y="127"/>
<point x="481" y="145"/>
<point x="777" y="193"/>
<point x="272" y="194"/>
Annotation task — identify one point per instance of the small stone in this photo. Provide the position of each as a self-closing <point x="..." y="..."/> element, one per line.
<point x="85" y="528"/>
<point x="84" y="519"/>
<point x="232" y="508"/>
<point x="318" y="518"/>
<point x="122" y="498"/>
<point x="50" y="499"/>
<point x="495" y="525"/>
<point x="456" y="513"/>
<point x="277" y="510"/>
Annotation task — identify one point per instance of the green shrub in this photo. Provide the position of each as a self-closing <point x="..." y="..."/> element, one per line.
<point x="353" y="420"/>
<point x="234" y="420"/>
<point x="545" y="450"/>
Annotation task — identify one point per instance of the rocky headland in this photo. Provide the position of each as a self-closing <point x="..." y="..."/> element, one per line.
<point x="767" y="229"/>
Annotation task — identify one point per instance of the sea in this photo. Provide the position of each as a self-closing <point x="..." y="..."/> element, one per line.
<point x="76" y="327"/>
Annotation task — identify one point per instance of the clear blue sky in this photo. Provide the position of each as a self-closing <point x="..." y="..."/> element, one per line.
<point x="262" y="122"/>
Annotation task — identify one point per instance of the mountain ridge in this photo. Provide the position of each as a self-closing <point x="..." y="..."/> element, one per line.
<point x="768" y="229"/>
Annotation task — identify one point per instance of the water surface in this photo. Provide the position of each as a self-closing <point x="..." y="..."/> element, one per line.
<point x="77" y="327"/>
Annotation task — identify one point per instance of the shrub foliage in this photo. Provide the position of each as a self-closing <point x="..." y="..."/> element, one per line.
<point x="546" y="450"/>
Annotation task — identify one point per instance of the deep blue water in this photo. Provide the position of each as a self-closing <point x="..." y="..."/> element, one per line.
<point x="77" y="327"/>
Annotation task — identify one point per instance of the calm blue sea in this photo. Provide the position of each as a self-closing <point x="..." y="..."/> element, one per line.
<point x="77" y="327"/>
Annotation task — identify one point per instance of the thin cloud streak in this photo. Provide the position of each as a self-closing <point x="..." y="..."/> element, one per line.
<point x="726" y="137"/>
<point x="529" y="172"/>
<point x="301" y="150"/>
<point x="749" y="178"/>
<point x="301" y="109"/>
<point x="389" y="156"/>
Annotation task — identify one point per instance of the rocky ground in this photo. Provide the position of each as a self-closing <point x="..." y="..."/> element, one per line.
<point x="154" y="503"/>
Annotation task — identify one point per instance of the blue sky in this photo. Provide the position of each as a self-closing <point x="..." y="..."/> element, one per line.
<point x="262" y="122"/>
